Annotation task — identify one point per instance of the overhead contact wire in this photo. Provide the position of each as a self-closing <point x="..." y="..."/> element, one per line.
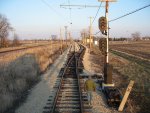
<point x="129" y="13"/>
<point x="97" y="12"/>
<point x="126" y="15"/>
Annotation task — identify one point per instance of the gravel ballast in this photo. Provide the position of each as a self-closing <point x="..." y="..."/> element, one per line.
<point x="99" y="104"/>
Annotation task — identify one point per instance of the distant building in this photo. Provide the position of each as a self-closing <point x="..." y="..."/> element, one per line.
<point x="88" y="40"/>
<point x="146" y="38"/>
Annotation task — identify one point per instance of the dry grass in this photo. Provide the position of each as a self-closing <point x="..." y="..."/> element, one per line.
<point x="127" y="70"/>
<point x="16" y="77"/>
<point x="139" y="48"/>
<point x="124" y="71"/>
<point x="18" y="72"/>
<point x="132" y="71"/>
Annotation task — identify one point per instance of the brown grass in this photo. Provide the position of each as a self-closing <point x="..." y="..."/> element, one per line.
<point x="125" y="70"/>
<point x="139" y="48"/>
<point x="18" y="72"/>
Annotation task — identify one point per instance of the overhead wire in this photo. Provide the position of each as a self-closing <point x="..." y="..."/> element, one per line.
<point x="129" y="13"/>
<point x="50" y="6"/>
<point x="59" y="14"/>
<point x="126" y="15"/>
<point x="97" y="33"/>
<point x="97" y="12"/>
<point x="96" y="16"/>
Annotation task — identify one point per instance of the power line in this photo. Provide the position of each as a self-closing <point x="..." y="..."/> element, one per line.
<point x="69" y="11"/>
<point x="50" y="6"/>
<point x="126" y="15"/>
<point x="97" y="33"/>
<point x="97" y="12"/>
<point x="59" y="14"/>
<point x="123" y="15"/>
<point x="130" y="13"/>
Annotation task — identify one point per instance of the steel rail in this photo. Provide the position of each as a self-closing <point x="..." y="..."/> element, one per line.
<point x="80" y="92"/>
<point x="24" y="48"/>
<point x="60" y="85"/>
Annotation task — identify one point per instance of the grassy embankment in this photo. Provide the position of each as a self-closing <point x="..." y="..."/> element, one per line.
<point x="20" y="71"/>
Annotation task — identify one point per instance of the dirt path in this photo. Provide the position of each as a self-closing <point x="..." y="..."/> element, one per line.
<point x="39" y="94"/>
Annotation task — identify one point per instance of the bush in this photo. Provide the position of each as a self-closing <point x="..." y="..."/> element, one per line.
<point x="16" y="78"/>
<point x="20" y="74"/>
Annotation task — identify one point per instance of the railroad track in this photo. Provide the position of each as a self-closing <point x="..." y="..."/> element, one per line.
<point x="133" y="58"/>
<point x="70" y="97"/>
<point x="20" y="49"/>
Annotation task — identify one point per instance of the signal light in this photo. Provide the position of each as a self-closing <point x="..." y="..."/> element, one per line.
<point x="102" y="45"/>
<point x="102" y="24"/>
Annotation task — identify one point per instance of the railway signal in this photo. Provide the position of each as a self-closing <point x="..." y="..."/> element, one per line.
<point x="103" y="21"/>
<point x="103" y="45"/>
<point x="103" y="24"/>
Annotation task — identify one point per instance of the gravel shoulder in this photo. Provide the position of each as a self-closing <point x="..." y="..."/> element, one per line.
<point x="98" y="101"/>
<point x="39" y="94"/>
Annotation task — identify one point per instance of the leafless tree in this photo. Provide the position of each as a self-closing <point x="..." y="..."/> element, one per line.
<point x="4" y="31"/>
<point x="136" y="36"/>
<point x="16" y="41"/>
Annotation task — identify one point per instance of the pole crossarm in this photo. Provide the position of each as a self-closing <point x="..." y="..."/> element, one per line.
<point x="85" y="6"/>
<point x="107" y="0"/>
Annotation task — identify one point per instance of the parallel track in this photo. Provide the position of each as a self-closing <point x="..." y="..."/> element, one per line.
<point x="20" y="49"/>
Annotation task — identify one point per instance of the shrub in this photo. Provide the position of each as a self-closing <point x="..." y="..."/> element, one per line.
<point x="22" y="72"/>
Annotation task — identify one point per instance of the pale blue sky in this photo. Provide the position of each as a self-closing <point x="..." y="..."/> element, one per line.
<point x="34" y="19"/>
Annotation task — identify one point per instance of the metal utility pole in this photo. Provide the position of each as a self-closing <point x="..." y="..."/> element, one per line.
<point x="107" y="67"/>
<point x="51" y="44"/>
<point x="84" y="38"/>
<point x="107" y="36"/>
<point x="66" y="33"/>
<point x="90" y="40"/>
<point x="69" y="37"/>
<point x="61" y="40"/>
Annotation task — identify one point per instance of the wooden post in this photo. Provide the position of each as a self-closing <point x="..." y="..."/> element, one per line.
<point x="125" y="97"/>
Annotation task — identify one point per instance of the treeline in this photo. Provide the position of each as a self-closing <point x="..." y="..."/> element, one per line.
<point x="5" y="29"/>
<point x="129" y="39"/>
<point x="125" y="39"/>
<point x="136" y="36"/>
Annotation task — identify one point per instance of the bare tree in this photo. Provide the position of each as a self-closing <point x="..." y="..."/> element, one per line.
<point x="136" y="36"/>
<point x="16" y="41"/>
<point x="4" y="30"/>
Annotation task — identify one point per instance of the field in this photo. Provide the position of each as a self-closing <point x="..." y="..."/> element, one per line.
<point x="20" y="70"/>
<point x="135" y="65"/>
<point x="130" y="61"/>
<point x="140" y="49"/>
<point x="24" y="44"/>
